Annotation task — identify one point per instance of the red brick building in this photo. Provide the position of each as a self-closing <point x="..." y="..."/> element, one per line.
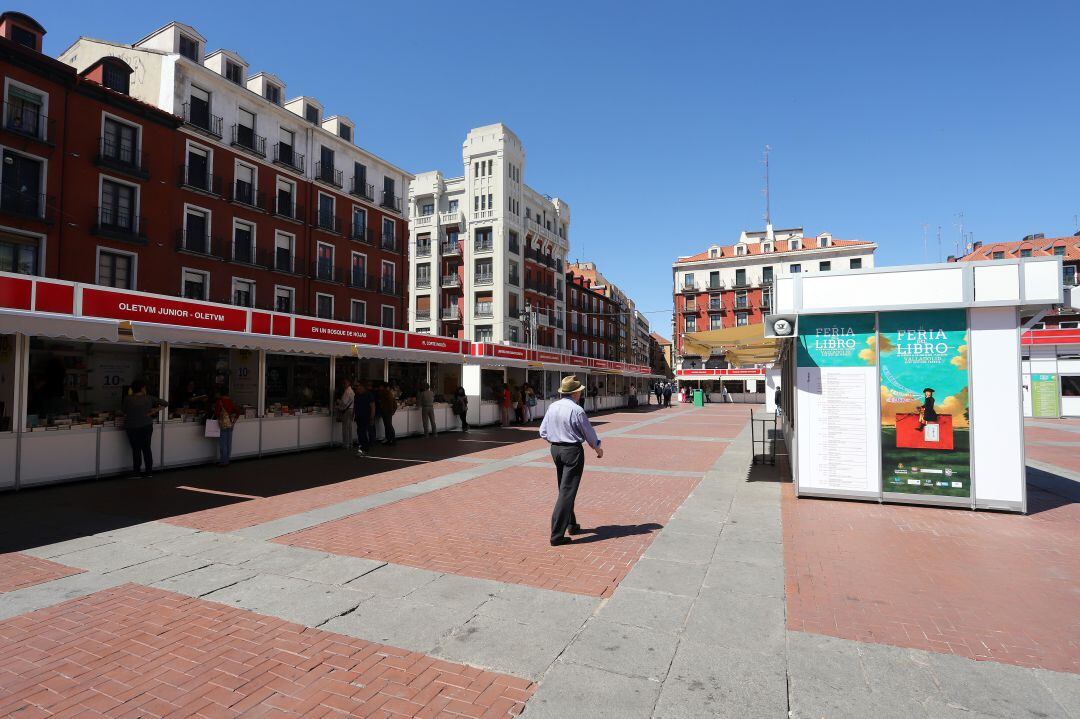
<point x="592" y="320"/>
<point x="101" y="187"/>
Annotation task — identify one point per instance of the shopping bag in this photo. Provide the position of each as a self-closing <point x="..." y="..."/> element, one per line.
<point x="213" y="429"/>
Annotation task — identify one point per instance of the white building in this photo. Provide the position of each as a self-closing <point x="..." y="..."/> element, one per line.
<point x="485" y="246"/>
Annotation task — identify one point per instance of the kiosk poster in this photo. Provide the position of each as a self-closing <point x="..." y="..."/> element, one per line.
<point x="925" y="430"/>
<point x="1045" y="396"/>
<point x="836" y="396"/>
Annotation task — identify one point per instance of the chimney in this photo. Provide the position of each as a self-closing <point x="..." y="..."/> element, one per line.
<point x="977" y="245"/>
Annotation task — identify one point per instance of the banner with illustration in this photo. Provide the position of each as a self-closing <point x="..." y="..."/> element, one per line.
<point x="925" y="427"/>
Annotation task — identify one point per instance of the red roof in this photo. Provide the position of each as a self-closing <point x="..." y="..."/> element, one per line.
<point x="1039" y="248"/>
<point x="754" y="248"/>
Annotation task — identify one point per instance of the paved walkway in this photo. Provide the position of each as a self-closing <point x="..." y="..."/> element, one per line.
<point x="420" y="583"/>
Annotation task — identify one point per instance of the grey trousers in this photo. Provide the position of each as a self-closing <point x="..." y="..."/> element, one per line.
<point x="569" y="463"/>
<point x="427" y="415"/>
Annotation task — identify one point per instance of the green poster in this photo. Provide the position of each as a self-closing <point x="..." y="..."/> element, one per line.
<point x="1045" y="396"/>
<point x="925" y="430"/>
<point x="836" y="340"/>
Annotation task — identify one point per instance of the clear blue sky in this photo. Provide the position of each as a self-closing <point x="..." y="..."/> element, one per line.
<point x="650" y="118"/>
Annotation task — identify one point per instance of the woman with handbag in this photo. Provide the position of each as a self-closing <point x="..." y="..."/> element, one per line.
<point x="226" y="414"/>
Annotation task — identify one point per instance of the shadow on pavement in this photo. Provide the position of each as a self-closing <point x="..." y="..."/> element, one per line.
<point x="611" y="531"/>
<point x="1047" y="491"/>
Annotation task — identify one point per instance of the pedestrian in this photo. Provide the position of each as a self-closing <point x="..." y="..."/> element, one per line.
<point x="658" y="390"/>
<point x="667" y="394"/>
<point x="724" y="397"/>
<point x="776" y="401"/>
<point x="139" y="409"/>
<point x="226" y="414"/>
<point x="345" y="414"/>
<point x="426" y="400"/>
<point x="460" y="407"/>
<point x="565" y="427"/>
<point x="364" y="404"/>
<point x="504" y="405"/>
<point x="387" y="405"/>
<point x="530" y="401"/>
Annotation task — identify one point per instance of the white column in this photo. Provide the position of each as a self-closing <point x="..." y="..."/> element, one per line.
<point x="470" y="380"/>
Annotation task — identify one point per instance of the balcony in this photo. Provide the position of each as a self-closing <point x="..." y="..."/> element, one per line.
<point x="121" y="158"/>
<point x="450" y="249"/>
<point x="742" y="303"/>
<point x="244" y="253"/>
<point x="388" y="286"/>
<point x="285" y="207"/>
<point x="27" y="120"/>
<point x="200" y="244"/>
<point x="200" y="117"/>
<point x="286" y="156"/>
<point x="423" y="220"/>
<point x="484" y="246"/>
<point x="283" y="260"/>
<point x="389" y="242"/>
<point x="716" y="307"/>
<point x="327" y="174"/>
<point x="450" y="281"/>
<point x="423" y="283"/>
<point x="423" y="250"/>
<point x="690" y="286"/>
<point x="450" y="314"/>
<point x="328" y="222"/>
<point x="358" y="280"/>
<point x="29" y="205"/>
<point x="687" y="309"/>
<point x="423" y="315"/>
<point x="359" y="188"/>
<point x="119" y="226"/>
<point x="245" y="194"/>
<point x="740" y="283"/>
<point x="483" y="278"/>
<point x="450" y="218"/>
<point x="391" y="201"/>
<point x="484" y="310"/>
<point x="245" y="138"/>
<point x="200" y="179"/>
<point x="479" y="215"/>
<point x="715" y="286"/>
<point x="359" y="233"/>
<point x="325" y="271"/>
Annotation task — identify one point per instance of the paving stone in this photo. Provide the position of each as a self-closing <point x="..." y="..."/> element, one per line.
<point x="650" y="610"/>
<point x="661" y="575"/>
<point x="679" y="547"/>
<point x="393" y="580"/>
<point x="451" y="590"/>
<point x="902" y="682"/>
<point x="109" y="557"/>
<point x="542" y="607"/>
<point x="688" y="524"/>
<point x="711" y="681"/>
<point x="743" y="578"/>
<point x="204" y="580"/>
<point x="760" y="554"/>
<point x="57" y="549"/>
<point x="826" y="678"/>
<point x="158" y="569"/>
<point x="409" y="625"/>
<point x="230" y="549"/>
<point x="296" y="600"/>
<point x="191" y="544"/>
<point x="753" y="531"/>
<point x="148" y="533"/>
<point x="47" y="594"/>
<point x="277" y="527"/>
<point x="738" y="621"/>
<point x="633" y="651"/>
<point x="571" y="690"/>
<point x="283" y="560"/>
<point x="524" y="650"/>
<point x="998" y="690"/>
<point x="333" y="569"/>
<point x="1065" y="688"/>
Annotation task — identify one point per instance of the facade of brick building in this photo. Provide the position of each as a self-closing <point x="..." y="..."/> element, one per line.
<point x="592" y="320"/>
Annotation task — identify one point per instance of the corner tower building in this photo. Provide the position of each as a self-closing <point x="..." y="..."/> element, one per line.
<point x="487" y="252"/>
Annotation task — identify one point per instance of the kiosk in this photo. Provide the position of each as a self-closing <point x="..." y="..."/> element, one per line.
<point x="905" y="382"/>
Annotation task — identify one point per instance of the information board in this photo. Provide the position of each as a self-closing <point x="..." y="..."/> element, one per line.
<point x="1045" y="395"/>
<point x="836" y="385"/>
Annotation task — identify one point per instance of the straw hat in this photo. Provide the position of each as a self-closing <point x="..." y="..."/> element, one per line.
<point x="570" y="385"/>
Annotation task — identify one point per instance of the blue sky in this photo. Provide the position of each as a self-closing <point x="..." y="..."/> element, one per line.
<point x="650" y="118"/>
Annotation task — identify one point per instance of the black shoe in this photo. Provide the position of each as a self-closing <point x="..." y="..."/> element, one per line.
<point x="575" y="529"/>
<point x="560" y="541"/>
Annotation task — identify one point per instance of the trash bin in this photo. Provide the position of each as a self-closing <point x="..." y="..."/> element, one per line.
<point x="699" y="398"/>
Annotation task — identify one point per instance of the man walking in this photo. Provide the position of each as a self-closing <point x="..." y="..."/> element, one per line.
<point x="346" y="412"/>
<point x="427" y="409"/>
<point x="565" y="427"/>
<point x="667" y="394"/>
<point x="364" y="413"/>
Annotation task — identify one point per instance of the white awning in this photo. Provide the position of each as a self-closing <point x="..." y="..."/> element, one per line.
<point x="146" y="332"/>
<point x="46" y="324"/>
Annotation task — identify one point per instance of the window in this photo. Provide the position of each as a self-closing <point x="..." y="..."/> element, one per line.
<point x="484" y="273"/>
<point x="196" y="230"/>
<point x="387" y="316"/>
<point x="358" y="270"/>
<point x="358" y="312"/>
<point x="311" y="114"/>
<point x="272" y="93"/>
<point x="998" y="255"/>
<point x="1068" y="273"/>
<point x="117" y="206"/>
<point x="514" y="333"/>
<point x="359" y="223"/>
<point x="244" y="184"/>
<point x="688" y="280"/>
<point x="742" y="319"/>
<point x="714" y="280"/>
<point x="453" y="205"/>
<point x="483" y="333"/>
<point x="427" y="209"/>
<point x="345" y="132"/>
<point x="796" y="269"/>
<point x="286" y="142"/>
<point x="22" y="36"/>
<point x="326" y="212"/>
<point x="18" y="255"/>
<point x="360" y="179"/>
<point x="283" y="298"/>
<point x="243" y="249"/>
<point x="116" y="269"/>
<point x="324" y="261"/>
<point x="823" y="242"/>
<point x="195" y="284"/>
<point x="120" y="142"/>
<point x="423" y="275"/>
<point x="691" y="324"/>
<point x="199" y="107"/>
<point x="1070" y="385"/>
<point x="825" y="265"/>
<point x="389" y="241"/>
<point x="766" y="275"/>
<point x="116" y="78"/>
<point x="716" y="322"/>
<point x="233" y="72"/>
<point x="245" y="129"/>
<point x="387" y="279"/>
<point x="741" y="300"/>
<point x="855" y="263"/>
<point x="1025" y="252"/>
<point x="484" y="242"/>
<point x="324" y="306"/>
<point x="243" y="292"/>
<point x="189" y="48"/>
<point x="283" y="252"/>
<point x="1059" y="250"/>
<point x="740" y="277"/>
<point x="198" y="168"/>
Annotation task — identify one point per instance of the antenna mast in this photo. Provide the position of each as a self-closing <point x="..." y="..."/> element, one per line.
<point x="768" y="213"/>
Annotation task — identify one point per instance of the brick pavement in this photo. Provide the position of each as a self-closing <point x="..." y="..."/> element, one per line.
<point x="497" y="526"/>
<point x="20" y="570"/>
<point x="980" y="585"/>
<point x="140" y="652"/>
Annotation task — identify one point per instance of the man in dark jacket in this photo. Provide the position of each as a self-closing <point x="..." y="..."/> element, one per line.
<point x="387" y="407"/>
<point x="364" y="403"/>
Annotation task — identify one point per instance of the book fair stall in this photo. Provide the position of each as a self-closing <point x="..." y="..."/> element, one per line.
<point x="905" y="382"/>
<point x="69" y="353"/>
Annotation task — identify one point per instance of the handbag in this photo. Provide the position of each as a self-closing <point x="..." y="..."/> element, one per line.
<point x="213" y="429"/>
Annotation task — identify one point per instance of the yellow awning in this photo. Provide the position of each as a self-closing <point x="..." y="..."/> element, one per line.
<point x="741" y="346"/>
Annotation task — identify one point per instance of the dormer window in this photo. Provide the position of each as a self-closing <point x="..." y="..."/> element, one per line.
<point x="823" y="242"/>
<point x="116" y="78"/>
<point x="345" y="132"/>
<point x="189" y="48"/>
<point x="713" y="252"/>
<point x="1025" y="252"/>
<point x="740" y="250"/>
<point x="766" y="247"/>
<point x="273" y="93"/>
<point x="1059" y="250"/>
<point x="234" y="72"/>
<point x="311" y="114"/>
<point x="22" y="36"/>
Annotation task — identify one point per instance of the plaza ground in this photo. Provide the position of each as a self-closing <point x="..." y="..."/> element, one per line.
<point x="419" y="582"/>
